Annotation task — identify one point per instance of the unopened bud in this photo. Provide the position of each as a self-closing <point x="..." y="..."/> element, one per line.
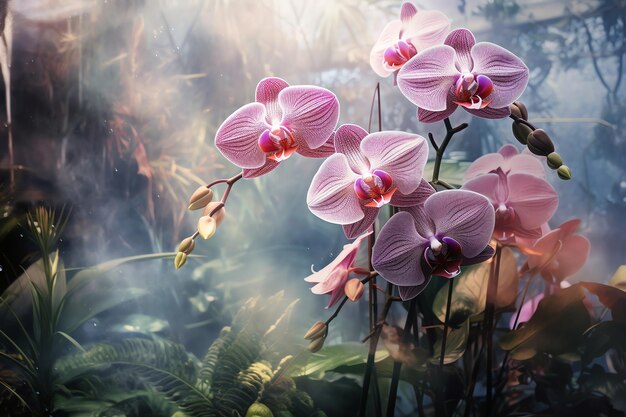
<point x="564" y="172"/>
<point x="259" y="410"/>
<point x="187" y="245"/>
<point x="540" y="143"/>
<point x="207" y="226"/>
<point x="316" y="344"/>
<point x="179" y="261"/>
<point x="200" y="198"/>
<point x="518" y="109"/>
<point x="554" y="160"/>
<point x="316" y="331"/>
<point x="354" y="289"/>
<point x="521" y="132"/>
<point x="218" y="215"/>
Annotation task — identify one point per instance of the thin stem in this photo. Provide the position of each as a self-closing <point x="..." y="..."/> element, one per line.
<point x="397" y="365"/>
<point x="229" y="186"/>
<point x="522" y="121"/>
<point x="337" y="310"/>
<point x="446" y="324"/>
<point x="376" y="92"/>
<point x="441" y="149"/>
<point x="492" y="292"/>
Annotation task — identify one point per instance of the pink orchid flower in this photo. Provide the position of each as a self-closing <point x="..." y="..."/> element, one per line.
<point x="402" y="39"/>
<point x="284" y="119"/>
<point x="451" y="228"/>
<point x="560" y="253"/>
<point x="367" y="172"/>
<point x="483" y="78"/>
<point x="523" y="203"/>
<point x="333" y="277"/>
<point x="509" y="160"/>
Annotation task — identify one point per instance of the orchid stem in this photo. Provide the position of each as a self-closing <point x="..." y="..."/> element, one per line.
<point x="492" y="292"/>
<point x="397" y="365"/>
<point x="441" y="149"/>
<point x="229" y="186"/>
<point x="446" y="324"/>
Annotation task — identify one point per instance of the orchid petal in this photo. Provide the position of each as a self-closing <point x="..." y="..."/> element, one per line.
<point x="427" y="78"/>
<point x="572" y="257"/>
<point x="427" y="116"/>
<point x="363" y="225"/>
<point x="237" y="138"/>
<point x="507" y="72"/>
<point x="508" y="151"/>
<point x="267" y="93"/>
<point x="426" y="28"/>
<point x="347" y="141"/>
<point x="533" y="199"/>
<point x="408" y="293"/>
<point x="483" y="256"/>
<point x="484" y="165"/>
<point x="465" y="216"/>
<point x="310" y="113"/>
<point x="331" y="195"/>
<point x="402" y="155"/>
<point x="490" y="112"/>
<point x="397" y="253"/>
<point x="407" y="12"/>
<point x="417" y="197"/>
<point x="324" y="151"/>
<point x="389" y="36"/>
<point x="462" y="40"/>
<point x="268" y="166"/>
<point x="490" y="185"/>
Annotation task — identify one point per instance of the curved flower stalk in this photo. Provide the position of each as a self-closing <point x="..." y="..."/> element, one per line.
<point x="452" y="228"/>
<point x="333" y="277"/>
<point x="367" y="172"/>
<point x="402" y="39"/>
<point x="560" y="253"/>
<point x="483" y="78"/>
<point x="523" y="203"/>
<point x="283" y="120"/>
<point x="509" y="160"/>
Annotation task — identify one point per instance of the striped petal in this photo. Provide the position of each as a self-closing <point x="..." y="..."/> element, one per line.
<point x="237" y="138"/>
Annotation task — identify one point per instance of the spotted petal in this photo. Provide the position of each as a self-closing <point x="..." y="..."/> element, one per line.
<point x="507" y="72"/>
<point x="465" y="216"/>
<point x="397" y="253"/>
<point x="237" y="138"/>
<point x="427" y="78"/>
<point x="310" y="113"/>
<point x="402" y="155"/>
<point x="331" y="195"/>
<point x="267" y="93"/>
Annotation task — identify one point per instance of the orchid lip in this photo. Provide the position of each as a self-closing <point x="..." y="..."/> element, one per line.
<point x="444" y="257"/>
<point x="397" y="55"/>
<point x="375" y="187"/>
<point x="278" y="143"/>
<point x="473" y="91"/>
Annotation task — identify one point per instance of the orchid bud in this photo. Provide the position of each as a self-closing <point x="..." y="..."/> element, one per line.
<point x="354" y="289"/>
<point x="180" y="259"/>
<point x="554" y="160"/>
<point x="521" y="132"/>
<point x="218" y="215"/>
<point x="519" y="110"/>
<point x="259" y="410"/>
<point x="200" y="198"/>
<point x="187" y="245"/>
<point x="207" y="226"/>
<point x="540" y="143"/>
<point x="564" y="172"/>
<point x="318" y="330"/>
<point x="316" y="344"/>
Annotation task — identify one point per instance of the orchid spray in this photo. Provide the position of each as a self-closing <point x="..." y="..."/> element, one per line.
<point x="436" y="231"/>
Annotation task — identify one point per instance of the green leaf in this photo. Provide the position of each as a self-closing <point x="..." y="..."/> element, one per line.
<point x="612" y="297"/>
<point x="456" y="343"/>
<point x="603" y="336"/>
<point x="332" y="357"/>
<point x="556" y="327"/>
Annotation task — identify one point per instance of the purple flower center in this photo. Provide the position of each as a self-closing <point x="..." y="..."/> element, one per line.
<point x="473" y="91"/>
<point x="376" y="188"/>
<point x="277" y="143"/>
<point x="397" y="55"/>
<point x="505" y="222"/>
<point x="444" y="257"/>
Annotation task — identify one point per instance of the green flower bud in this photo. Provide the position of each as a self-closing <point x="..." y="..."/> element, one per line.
<point x="316" y="331"/>
<point x="187" y="245"/>
<point x="540" y="143"/>
<point x="554" y="160"/>
<point x="179" y="261"/>
<point x="316" y="344"/>
<point x="564" y="172"/>
<point x="521" y="132"/>
<point x="259" y="410"/>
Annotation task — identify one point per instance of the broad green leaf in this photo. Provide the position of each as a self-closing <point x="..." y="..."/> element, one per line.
<point x="604" y="336"/>
<point x="469" y="295"/>
<point x="556" y="327"/>
<point x="611" y="297"/>
<point x="331" y="357"/>
<point x="456" y="343"/>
